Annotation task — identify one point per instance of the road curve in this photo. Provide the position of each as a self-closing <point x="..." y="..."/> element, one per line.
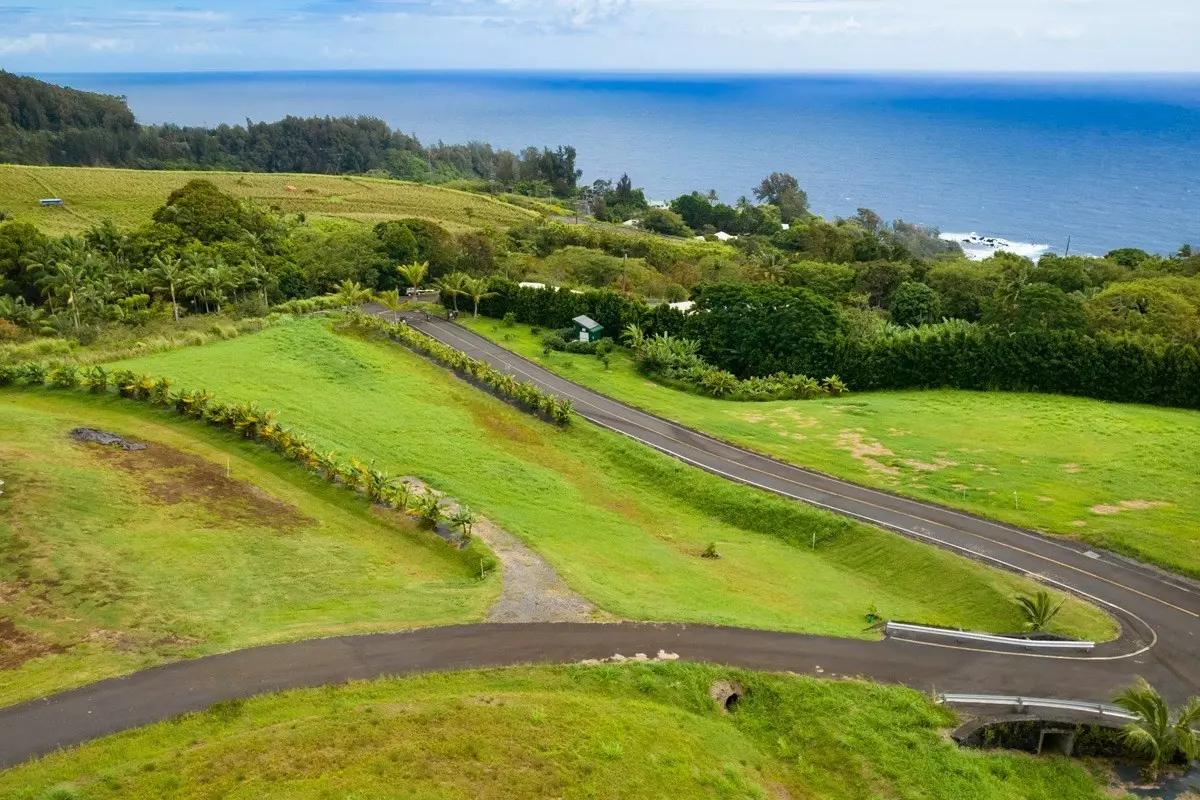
<point x="69" y="718"/>
<point x="1160" y="613"/>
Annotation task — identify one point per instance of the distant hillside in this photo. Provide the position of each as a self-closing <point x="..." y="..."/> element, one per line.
<point x="45" y="124"/>
<point x="129" y="197"/>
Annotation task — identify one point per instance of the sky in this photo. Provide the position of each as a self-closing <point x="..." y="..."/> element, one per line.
<point x="1088" y="36"/>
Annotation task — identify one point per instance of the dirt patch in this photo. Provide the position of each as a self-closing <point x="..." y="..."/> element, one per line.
<point x="172" y="477"/>
<point x="783" y="421"/>
<point x="865" y="451"/>
<point x="1072" y="468"/>
<point x="1045" y="499"/>
<point x="531" y="589"/>
<point x="1129" y="505"/>
<point x="17" y="646"/>
<point x="936" y="466"/>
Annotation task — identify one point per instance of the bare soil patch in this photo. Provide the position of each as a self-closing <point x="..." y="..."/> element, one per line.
<point x="865" y="451"/>
<point x="1128" y="505"/>
<point x="172" y="477"/>
<point x="17" y="646"/>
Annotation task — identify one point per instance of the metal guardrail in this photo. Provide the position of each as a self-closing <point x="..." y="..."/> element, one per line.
<point x="1022" y="703"/>
<point x="893" y="628"/>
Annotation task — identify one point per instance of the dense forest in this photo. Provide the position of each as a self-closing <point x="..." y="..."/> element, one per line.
<point x="45" y="124"/>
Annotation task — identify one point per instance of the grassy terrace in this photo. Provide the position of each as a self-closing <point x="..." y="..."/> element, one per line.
<point x="128" y="197"/>
<point x="1117" y="476"/>
<point x="111" y="561"/>
<point x="571" y="732"/>
<point x="623" y="525"/>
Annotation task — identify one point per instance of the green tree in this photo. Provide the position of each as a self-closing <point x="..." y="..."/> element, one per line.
<point x="1039" y="610"/>
<point x="392" y="302"/>
<point x="465" y="520"/>
<point x="169" y="272"/>
<point x="351" y="295"/>
<point x="783" y="191"/>
<point x="1035" y="307"/>
<point x="915" y="304"/>
<point x="1157" y="734"/>
<point x="666" y="222"/>
<point x="414" y="274"/>
<point x="452" y="286"/>
<point x="478" y="289"/>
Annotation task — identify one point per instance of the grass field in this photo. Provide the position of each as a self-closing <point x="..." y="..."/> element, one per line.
<point x="129" y="197"/>
<point x="569" y="732"/>
<point x="1117" y="476"/>
<point x="623" y="525"/>
<point x="112" y="561"/>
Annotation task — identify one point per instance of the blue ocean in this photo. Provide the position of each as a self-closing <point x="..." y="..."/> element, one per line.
<point x="1103" y="162"/>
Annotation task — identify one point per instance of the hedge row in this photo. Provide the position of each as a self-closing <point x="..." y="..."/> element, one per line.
<point x="1107" y="367"/>
<point x="524" y="393"/>
<point x="246" y="419"/>
<point x="762" y="330"/>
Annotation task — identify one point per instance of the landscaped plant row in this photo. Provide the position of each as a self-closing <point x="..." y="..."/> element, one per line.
<point x="525" y="393"/>
<point x="251" y="422"/>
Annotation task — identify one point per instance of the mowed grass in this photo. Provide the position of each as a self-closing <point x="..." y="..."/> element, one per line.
<point x="1117" y="476"/>
<point x="113" y="561"/>
<point x="622" y="524"/>
<point x="630" y="731"/>
<point x="128" y="197"/>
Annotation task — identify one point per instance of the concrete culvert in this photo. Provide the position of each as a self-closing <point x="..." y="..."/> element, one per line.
<point x="726" y="694"/>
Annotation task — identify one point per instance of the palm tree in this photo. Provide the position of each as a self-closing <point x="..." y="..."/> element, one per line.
<point x="453" y="286"/>
<point x="170" y="272"/>
<point x="464" y="519"/>
<point x="713" y="197"/>
<point x="1039" y="610"/>
<point x="414" y="273"/>
<point x="477" y="289"/>
<point x="1156" y="733"/>
<point x="351" y="294"/>
<point x="392" y="302"/>
<point x="67" y="279"/>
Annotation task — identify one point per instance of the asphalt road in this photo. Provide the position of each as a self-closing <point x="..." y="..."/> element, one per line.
<point x="1160" y="614"/>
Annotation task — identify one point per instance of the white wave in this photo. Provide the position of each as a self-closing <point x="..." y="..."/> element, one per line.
<point x="977" y="247"/>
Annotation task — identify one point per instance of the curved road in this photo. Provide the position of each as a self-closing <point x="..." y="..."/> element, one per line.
<point x="1160" y="614"/>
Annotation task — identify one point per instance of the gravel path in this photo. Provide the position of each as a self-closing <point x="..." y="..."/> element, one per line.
<point x="532" y="590"/>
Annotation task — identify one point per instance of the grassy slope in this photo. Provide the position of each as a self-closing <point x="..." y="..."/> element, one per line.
<point x="121" y="561"/>
<point x="1068" y="460"/>
<point x="623" y="525"/>
<point x="571" y="732"/>
<point x="129" y="197"/>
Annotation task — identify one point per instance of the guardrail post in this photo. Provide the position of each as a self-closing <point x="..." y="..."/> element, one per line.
<point x="1020" y="705"/>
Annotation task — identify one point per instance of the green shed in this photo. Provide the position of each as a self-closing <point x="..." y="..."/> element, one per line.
<point x="587" y="329"/>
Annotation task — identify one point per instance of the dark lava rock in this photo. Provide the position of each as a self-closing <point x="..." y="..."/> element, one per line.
<point x="100" y="437"/>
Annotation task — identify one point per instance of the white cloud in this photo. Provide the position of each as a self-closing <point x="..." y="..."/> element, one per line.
<point x="721" y="35"/>
<point x="24" y="44"/>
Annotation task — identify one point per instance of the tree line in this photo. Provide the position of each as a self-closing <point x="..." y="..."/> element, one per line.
<point x="45" y="124"/>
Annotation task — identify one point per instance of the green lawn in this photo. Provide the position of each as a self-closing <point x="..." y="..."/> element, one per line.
<point x="113" y="561"/>
<point x="630" y="731"/>
<point x="129" y="196"/>
<point x="623" y="525"/>
<point x="1117" y="476"/>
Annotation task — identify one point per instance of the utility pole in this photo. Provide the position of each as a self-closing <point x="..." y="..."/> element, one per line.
<point x="1068" y="246"/>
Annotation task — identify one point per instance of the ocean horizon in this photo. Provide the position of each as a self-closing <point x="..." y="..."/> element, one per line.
<point x="1104" y="161"/>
